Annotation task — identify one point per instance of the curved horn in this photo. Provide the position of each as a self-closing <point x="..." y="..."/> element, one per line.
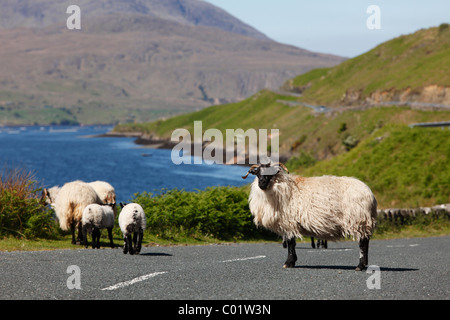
<point x="281" y="165"/>
<point x="251" y="168"/>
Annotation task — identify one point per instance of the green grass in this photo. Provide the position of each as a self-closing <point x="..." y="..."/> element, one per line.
<point x="409" y="61"/>
<point x="405" y="167"/>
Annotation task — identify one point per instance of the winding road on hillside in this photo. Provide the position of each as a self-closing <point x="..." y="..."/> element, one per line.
<point x="405" y="269"/>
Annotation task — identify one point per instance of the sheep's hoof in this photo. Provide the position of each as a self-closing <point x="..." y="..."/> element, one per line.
<point x="289" y="265"/>
<point x="360" y="268"/>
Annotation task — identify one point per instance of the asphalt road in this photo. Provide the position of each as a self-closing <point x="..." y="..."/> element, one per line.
<point x="408" y="269"/>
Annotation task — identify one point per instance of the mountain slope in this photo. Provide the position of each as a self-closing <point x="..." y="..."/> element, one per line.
<point x="409" y="68"/>
<point x="44" y="13"/>
<point x="133" y="61"/>
<point x="405" y="167"/>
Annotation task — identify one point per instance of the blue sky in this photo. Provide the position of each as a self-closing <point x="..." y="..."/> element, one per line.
<point x="337" y="27"/>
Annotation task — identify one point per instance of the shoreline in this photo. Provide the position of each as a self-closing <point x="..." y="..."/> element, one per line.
<point x="146" y="141"/>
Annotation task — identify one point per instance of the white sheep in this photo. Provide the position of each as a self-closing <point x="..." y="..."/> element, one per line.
<point x="106" y="193"/>
<point x="72" y="198"/>
<point x="95" y="218"/>
<point x="132" y="221"/>
<point x="326" y="207"/>
<point x="49" y="195"/>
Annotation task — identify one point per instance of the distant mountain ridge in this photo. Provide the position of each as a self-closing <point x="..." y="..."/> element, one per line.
<point x="44" y="13"/>
<point x="133" y="60"/>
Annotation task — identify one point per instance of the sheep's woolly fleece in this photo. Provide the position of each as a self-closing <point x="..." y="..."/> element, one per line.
<point x="71" y="201"/>
<point x="326" y="207"/>
<point x="95" y="215"/>
<point x="132" y="219"/>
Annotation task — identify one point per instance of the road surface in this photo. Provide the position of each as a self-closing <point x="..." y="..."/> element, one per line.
<point x="404" y="269"/>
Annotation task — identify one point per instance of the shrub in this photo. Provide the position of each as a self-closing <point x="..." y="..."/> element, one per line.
<point x="21" y="212"/>
<point x="218" y="212"/>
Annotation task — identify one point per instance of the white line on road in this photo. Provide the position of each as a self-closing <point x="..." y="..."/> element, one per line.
<point x="133" y="281"/>
<point x="243" y="259"/>
<point x="332" y="250"/>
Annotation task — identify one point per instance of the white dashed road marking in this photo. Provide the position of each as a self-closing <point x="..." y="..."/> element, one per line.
<point x="133" y="281"/>
<point x="243" y="259"/>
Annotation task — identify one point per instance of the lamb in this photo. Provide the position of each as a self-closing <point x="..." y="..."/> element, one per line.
<point x="72" y="198"/>
<point x="132" y="221"/>
<point x="95" y="218"/>
<point x="326" y="207"/>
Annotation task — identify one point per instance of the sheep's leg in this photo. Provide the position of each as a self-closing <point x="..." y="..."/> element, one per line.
<point x="95" y="238"/>
<point x="72" y="230"/>
<point x="292" y="256"/>
<point x="85" y="241"/>
<point x="325" y="244"/>
<point x="80" y="232"/>
<point x="125" y="245"/>
<point x="363" y="254"/>
<point x="130" y="244"/>
<point x="110" y="237"/>
<point x="138" y="245"/>
<point x="135" y="239"/>
<point x="313" y="245"/>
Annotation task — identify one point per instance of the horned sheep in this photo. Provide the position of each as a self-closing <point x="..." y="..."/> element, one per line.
<point x="132" y="222"/>
<point x="326" y="207"/>
<point x="95" y="218"/>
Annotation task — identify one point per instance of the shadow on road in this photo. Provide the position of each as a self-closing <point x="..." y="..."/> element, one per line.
<point x="156" y="254"/>
<point x="353" y="268"/>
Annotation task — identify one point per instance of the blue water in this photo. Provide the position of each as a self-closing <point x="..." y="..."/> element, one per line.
<point x="61" y="154"/>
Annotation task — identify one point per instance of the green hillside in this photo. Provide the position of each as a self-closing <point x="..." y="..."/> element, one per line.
<point x="409" y="62"/>
<point x="404" y="166"/>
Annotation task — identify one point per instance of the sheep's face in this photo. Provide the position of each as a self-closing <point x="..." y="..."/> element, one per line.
<point x="265" y="174"/>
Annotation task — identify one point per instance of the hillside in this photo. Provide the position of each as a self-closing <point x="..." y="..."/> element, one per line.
<point x="409" y="68"/>
<point x="404" y="166"/>
<point x="133" y="61"/>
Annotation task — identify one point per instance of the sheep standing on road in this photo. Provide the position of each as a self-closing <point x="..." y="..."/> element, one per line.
<point x="132" y="221"/>
<point x="326" y="207"/>
<point x="72" y="198"/>
<point x="95" y="218"/>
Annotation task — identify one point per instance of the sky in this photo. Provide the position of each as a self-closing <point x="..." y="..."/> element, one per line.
<point x="337" y="27"/>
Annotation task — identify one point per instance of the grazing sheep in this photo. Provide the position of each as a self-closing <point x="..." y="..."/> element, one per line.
<point x="326" y="207"/>
<point x="50" y="195"/>
<point x="95" y="218"/>
<point x="132" y="221"/>
<point x="72" y="198"/>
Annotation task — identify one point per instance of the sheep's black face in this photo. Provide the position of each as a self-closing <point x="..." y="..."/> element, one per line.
<point x="265" y="176"/>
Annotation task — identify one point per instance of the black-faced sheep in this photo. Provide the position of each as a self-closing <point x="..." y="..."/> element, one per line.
<point x="132" y="221"/>
<point x="95" y="218"/>
<point x="327" y="207"/>
<point x="72" y="198"/>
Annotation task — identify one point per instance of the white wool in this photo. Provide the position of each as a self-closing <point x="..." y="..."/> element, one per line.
<point x="71" y="201"/>
<point x="132" y="219"/>
<point x="326" y="207"/>
<point x="95" y="215"/>
<point x="52" y="194"/>
<point x="105" y="191"/>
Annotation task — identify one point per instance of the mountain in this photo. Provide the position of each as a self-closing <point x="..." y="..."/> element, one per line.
<point x="411" y="68"/>
<point x="43" y="13"/>
<point x="133" y="60"/>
